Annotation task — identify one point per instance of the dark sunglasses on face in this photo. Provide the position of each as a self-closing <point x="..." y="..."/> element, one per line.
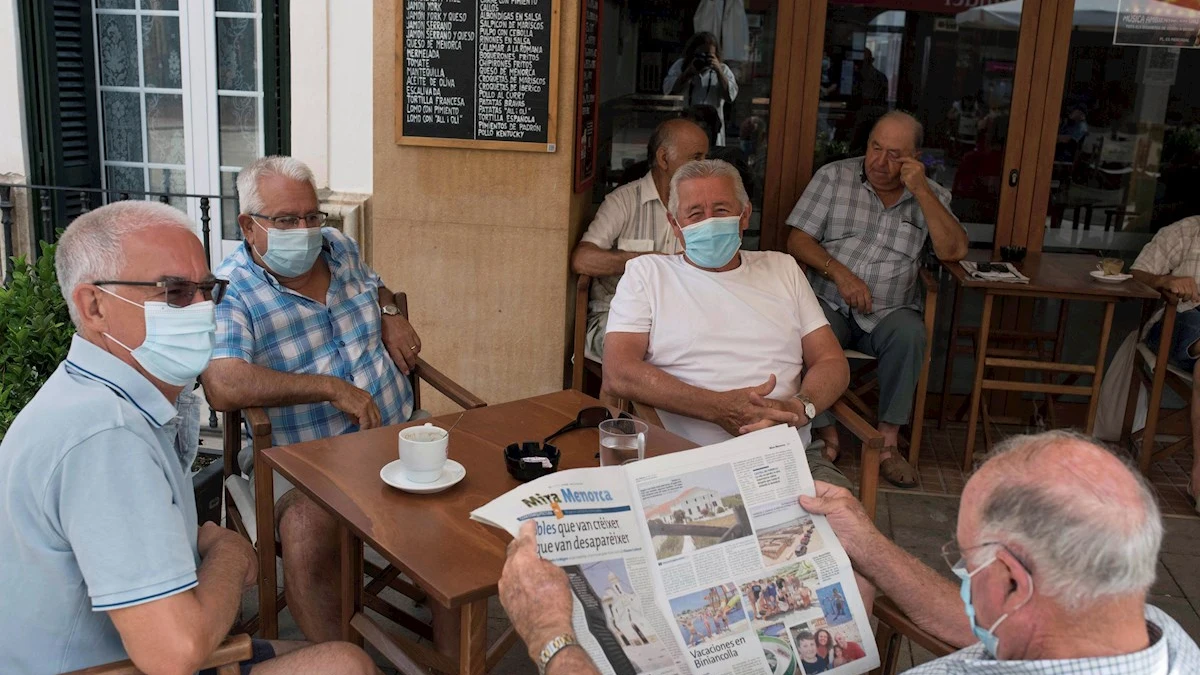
<point x="588" y="418"/>
<point x="180" y="292"/>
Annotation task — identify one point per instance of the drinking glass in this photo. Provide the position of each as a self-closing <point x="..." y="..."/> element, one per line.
<point x="622" y="441"/>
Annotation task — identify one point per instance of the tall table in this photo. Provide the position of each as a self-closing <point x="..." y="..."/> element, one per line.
<point x="1061" y="276"/>
<point x="430" y="538"/>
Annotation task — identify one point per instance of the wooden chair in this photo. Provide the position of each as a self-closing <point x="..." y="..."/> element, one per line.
<point x="1152" y="373"/>
<point x="581" y="362"/>
<point x="893" y="627"/>
<point x="255" y="518"/>
<point x="235" y="649"/>
<point x="865" y="380"/>
<point x="872" y="444"/>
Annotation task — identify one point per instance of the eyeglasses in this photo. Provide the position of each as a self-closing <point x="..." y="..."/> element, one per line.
<point x="587" y="418"/>
<point x="956" y="558"/>
<point x="314" y="219"/>
<point x="180" y="292"/>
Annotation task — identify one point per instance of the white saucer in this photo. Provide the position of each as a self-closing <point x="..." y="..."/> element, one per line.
<point x="1110" y="279"/>
<point x="393" y="474"/>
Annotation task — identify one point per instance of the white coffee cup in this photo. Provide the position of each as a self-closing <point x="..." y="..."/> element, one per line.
<point x="423" y="452"/>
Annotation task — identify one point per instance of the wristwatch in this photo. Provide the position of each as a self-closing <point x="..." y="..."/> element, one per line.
<point x="390" y="309"/>
<point x="810" y="410"/>
<point x="552" y="648"/>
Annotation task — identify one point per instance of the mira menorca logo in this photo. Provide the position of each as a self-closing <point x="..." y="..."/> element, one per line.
<point x="568" y="496"/>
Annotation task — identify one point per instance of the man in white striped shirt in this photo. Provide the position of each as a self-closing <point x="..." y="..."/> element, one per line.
<point x="632" y="221"/>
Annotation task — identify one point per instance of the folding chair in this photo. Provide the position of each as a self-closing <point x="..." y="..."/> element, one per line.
<point x="235" y="649"/>
<point x="1152" y="372"/>
<point x="582" y="361"/>
<point x="865" y="380"/>
<point x="893" y="627"/>
<point x="872" y="444"/>
<point x="255" y="518"/>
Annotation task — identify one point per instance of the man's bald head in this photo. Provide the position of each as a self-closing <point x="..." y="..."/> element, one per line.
<point x="674" y="143"/>
<point x="898" y="122"/>
<point x="1088" y="527"/>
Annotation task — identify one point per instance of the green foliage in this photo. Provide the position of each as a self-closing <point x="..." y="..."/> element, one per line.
<point x="35" y="332"/>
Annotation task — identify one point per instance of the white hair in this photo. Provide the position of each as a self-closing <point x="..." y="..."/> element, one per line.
<point x="91" y="248"/>
<point x="706" y="168"/>
<point x="1084" y="546"/>
<point x="274" y="165"/>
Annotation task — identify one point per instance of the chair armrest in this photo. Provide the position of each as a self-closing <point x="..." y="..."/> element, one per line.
<point x="234" y="649"/>
<point x="648" y="414"/>
<point x="887" y="612"/>
<point x="930" y="282"/>
<point x="872" y="445"/>
<point x="583" y="285"/>
<point x="448" y="387"/>
<point x="862" y="430"/>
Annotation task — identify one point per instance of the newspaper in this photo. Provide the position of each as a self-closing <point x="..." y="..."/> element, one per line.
<point x="1001" y="271"/>
<point x="700" y="562"/>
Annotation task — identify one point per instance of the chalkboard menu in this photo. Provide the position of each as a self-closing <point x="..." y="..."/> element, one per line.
<point x="477" y="73"/>
<point x="587" y="102"/>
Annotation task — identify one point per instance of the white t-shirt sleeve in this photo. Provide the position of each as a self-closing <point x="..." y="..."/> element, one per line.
<point x="610" y="220"/>
<point x="809" y="309"/>
<point x="732" y="80"/>
<point x="631" y="310"/>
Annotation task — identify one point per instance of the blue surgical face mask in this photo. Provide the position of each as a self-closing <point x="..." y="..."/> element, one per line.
<point x="987" y="636"/>
<point x="713" y="242"/>
<point x="291" y="253"/>
<point x="179" y="340"/>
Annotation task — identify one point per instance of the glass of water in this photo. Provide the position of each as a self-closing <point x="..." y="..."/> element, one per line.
<point x="622" y="441"/>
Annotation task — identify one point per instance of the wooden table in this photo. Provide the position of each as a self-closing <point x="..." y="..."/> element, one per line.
<point x="1061" y="276"/>
<point x="430" y="538"/>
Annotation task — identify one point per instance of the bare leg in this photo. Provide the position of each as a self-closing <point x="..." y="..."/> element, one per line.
<point x="891" y="439"/>
<point x="310" y="566"/>
<point x="329" y="658"/>
<point x="829" y="434"/>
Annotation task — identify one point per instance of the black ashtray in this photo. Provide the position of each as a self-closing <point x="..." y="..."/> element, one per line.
<point x="530" y="459"/>
<point x="1012" y="254"/>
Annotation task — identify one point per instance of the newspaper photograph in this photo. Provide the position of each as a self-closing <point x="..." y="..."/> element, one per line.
<point x="700" y="562"/>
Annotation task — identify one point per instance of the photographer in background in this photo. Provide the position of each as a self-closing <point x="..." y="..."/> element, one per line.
<point x="702" y="78"/>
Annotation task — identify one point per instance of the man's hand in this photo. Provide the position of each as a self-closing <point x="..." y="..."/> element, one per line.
<point x="854" y="291"/>
<point x="534" y="593"/>
<point x="401" y="342"/>
<point x="846" y="516"/>
<point x="789" y="405"/>
<point x="1183" y="288"/>
<point x="356" y="403"/>
<point x="212" y="536"/>
<point x="738" y="409"/>
<point x="912" y="174"/>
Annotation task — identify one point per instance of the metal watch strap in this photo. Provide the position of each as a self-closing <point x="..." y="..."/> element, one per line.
<point x="552" y="648"/>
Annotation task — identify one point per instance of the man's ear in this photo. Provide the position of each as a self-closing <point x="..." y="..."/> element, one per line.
<point x="89" y="308"/>
<point x="660" y="158"/>
<point x="1020" y="588"/>
<point x="675" y="227"/>
<point x="246" y="223"/>
<point x="745" y="218"/>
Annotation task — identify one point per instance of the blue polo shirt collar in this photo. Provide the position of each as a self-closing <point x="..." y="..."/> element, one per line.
<point x="89" y="361"/>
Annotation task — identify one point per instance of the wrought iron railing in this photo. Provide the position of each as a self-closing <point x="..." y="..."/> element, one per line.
<point x="46" y="217"/>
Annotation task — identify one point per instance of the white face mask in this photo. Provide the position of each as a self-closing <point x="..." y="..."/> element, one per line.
<point x="179" y="340"/>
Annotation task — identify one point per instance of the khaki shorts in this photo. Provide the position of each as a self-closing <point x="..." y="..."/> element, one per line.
<point x="824" y="470"/>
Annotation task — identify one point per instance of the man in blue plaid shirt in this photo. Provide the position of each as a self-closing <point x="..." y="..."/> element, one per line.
<point x="308" y="331"/>
<point x="860" y="228"/>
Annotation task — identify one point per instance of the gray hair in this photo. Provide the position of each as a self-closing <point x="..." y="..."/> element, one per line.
<point x="274" y="165"/>
<point x="917" y="127"/>
<point x="1085" y="545"/>
<point x="91" y="247"/>
<point x="706" y="168"/>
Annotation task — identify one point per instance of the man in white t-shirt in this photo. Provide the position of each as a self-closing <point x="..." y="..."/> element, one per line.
<point x="717" y="339"/>
<point x="632" y="221"/>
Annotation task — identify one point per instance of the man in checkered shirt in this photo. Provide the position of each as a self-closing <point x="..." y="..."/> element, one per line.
<point x="309" y="332"/>
<point x="860" y="228"/>
<point x="1055" y="551"/>
<point x="1171" y="264"/>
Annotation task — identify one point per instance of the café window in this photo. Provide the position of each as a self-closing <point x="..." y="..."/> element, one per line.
<point x="1127" y="153"/>
<point x="645" y="79"/>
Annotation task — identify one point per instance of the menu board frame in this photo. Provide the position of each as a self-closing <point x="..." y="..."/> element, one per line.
<point x="552" y="96"/>
<point x="585" y="171"/>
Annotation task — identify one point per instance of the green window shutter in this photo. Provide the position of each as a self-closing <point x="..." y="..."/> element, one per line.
<point x="277" y="77"/>
<point x="61" y="102"/>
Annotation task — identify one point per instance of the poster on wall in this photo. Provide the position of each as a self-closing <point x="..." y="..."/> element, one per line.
<point x="1157" y="23"/>
<point x="587" y="95"/>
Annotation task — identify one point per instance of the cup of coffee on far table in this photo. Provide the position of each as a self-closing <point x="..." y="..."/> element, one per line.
<point x="1110" y="266"/>
<point x="423" y="452"/>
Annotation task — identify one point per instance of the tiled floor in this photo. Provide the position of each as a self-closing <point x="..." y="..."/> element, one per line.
<point x="939" y="469"/>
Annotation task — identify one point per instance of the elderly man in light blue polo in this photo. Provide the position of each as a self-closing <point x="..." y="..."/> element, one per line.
<point x="311" y="333"/>
<point x="101" y="558"/>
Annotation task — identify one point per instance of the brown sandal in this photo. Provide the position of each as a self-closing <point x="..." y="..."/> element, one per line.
<point x="897" y="471"/>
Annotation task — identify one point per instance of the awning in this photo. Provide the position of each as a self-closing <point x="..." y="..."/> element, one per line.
<point x="1095" y="15"/>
